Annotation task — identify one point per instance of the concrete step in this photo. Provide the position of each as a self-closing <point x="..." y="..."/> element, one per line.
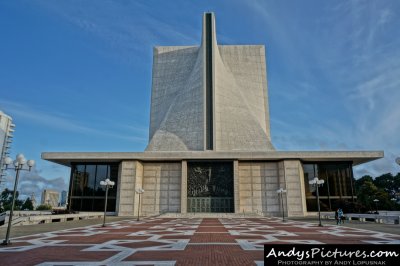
<point x="210" y="215"/>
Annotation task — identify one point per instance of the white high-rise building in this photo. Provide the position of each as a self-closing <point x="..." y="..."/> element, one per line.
<point x="6" y="130"/>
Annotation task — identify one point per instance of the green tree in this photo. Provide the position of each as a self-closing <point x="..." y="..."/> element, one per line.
<point x="366" y="193"/>
<point x="384" y="188"/>
<point x="386" y="182"/>
<point x="27" y="205"/>
<point x="359" y="182"/>
<point x="6" y="199"/>
<point x="397" y="182"/>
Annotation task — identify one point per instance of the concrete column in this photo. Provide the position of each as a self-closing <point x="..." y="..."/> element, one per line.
<point x="184" y="187"/>
<point x="127" y="173"/>
<point x="294" y="179"/>
<point x="236" y="195"/>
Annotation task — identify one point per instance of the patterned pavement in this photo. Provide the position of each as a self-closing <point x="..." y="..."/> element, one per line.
<point x="182" y="241"/>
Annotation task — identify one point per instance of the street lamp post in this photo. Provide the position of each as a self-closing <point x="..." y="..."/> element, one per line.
<point x="19" y="164"/>
<point x="317" y="183"/>
<point x="376" y="205"/>
<point x="108" y="184"/>
<point x="140" y="192"/>
<point x="280" y="191"/>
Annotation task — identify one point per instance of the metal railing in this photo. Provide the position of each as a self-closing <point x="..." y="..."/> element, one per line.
<point x="210" y="204"/>
<point x="377" y="218"/>
<point x="38" y="219"/>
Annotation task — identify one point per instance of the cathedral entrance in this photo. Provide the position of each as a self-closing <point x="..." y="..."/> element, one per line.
<point x="210" y="187"/>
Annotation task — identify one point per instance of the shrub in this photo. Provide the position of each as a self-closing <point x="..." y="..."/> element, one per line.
<point x="44" y="207"/>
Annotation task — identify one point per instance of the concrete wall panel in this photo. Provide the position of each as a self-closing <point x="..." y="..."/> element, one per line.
<point x="161" y="182"/>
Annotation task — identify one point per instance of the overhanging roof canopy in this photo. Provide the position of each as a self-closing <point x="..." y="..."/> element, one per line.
<point x="356" y="157"/>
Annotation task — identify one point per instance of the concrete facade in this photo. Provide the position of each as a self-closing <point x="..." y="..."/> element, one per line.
<point x="256" y="178"/>
<point x="162" y="185"/>
<point x="176" y="121"/>
<point x="239" y="119"/>
<point x="209" y="104"/>
<point x="255" y="188"/>
<point x="259" y="181"/>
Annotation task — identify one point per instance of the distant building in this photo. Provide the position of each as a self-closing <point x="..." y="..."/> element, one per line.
<point x="50" y="197"/>
<point x="6" y="130"/>
<point x="63" y="200"/>
<point x="33" y="199"/>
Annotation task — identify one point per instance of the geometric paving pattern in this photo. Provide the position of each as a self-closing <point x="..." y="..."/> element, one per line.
<point x="181" y="241"/>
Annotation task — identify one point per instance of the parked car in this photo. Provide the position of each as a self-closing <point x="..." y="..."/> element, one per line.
<point x="2" y="218"/>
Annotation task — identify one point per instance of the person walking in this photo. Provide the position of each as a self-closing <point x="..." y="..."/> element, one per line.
<point x="336" y="216"/>
<point x="340" y="216"/>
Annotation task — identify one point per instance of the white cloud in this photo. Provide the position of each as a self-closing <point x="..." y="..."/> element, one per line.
<point x="67" y="123"/>
<point x="33" y="182"/>
<point x="128" y="27"/>
<point x="346" y="91"/>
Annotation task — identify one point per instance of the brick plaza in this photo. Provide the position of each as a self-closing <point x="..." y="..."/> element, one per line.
<point x="180" y="241"/>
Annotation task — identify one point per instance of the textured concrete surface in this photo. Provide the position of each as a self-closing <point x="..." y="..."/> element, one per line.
<point x="126" y="187"/>
<point x="239" y="92"/>
<point x="241" y="99"/>
<point x="162" y="185"/>
<point x="358" y="157"/>
<point x="255" y="185"/>
<point x="294" y="185"/>
<point x="176" y="118"/>
<point x="259" y="181"/>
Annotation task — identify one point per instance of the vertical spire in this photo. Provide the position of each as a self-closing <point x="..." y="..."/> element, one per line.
<point x="208" y="45"/>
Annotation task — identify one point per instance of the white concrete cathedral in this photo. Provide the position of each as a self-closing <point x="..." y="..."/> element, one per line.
<point x="209" y="147"/>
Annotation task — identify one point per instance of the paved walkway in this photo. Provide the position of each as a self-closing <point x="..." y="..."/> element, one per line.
<point x="168" y="241"/>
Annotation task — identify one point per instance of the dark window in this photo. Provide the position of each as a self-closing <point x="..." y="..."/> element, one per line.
<point x="90" y="178"/>
<point x="102" y="174"/>
<point x="113" y="177"/>
<point x="111" y="204"/>
<point x="98" y="204"/>
<point x="87" y="204"/>
<point x="337" y="188"/>
<point x="209" y="84"/>
<point x="78" y="179"/>
<point x="86" y="194"/>
<point x="76" y="204"/>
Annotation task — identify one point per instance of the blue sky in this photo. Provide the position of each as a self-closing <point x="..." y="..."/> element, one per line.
<point x="76" y="75"/>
